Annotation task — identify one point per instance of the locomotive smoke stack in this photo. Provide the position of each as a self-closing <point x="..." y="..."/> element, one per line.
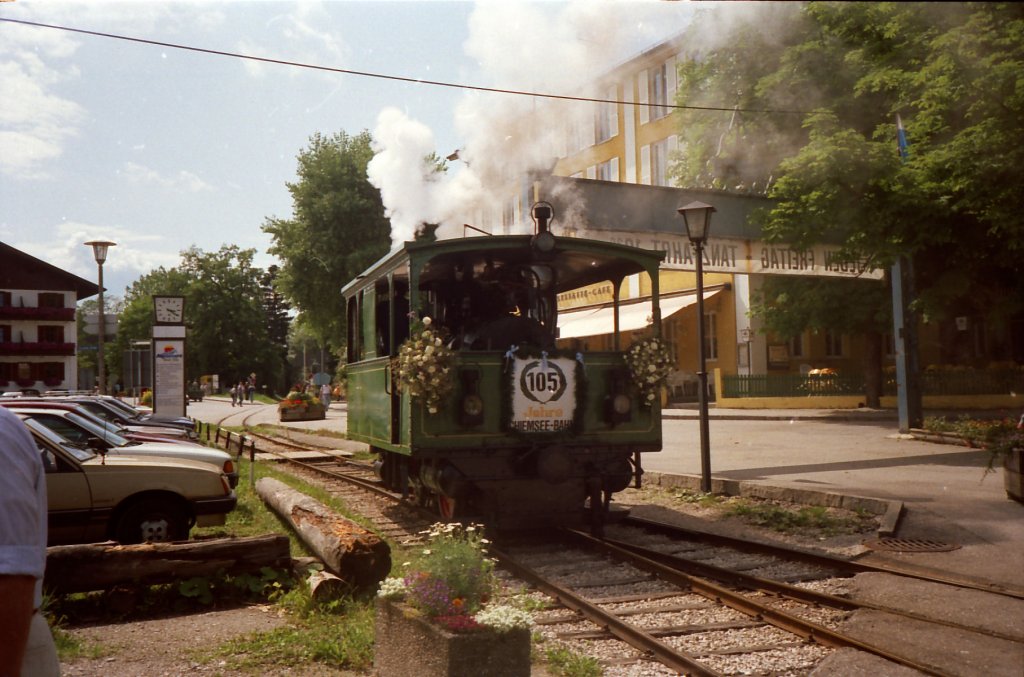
<point x="542" y="213"/>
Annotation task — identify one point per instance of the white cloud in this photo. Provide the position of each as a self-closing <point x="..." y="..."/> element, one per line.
<point x="135" y="254"/>
<point x="182" y="181"/>
<point x="35" y="123"/>
<point x="296" y="36"/>
<point x="36" y="120"/>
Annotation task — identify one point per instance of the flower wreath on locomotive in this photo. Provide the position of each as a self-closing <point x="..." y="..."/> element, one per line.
<point x="472" y="403"/>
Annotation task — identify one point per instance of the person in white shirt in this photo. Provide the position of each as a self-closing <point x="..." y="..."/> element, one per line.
<point x="26" y="645"/>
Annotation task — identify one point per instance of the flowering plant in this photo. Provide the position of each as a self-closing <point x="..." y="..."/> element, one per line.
<point x="650" y="363"/>
<point x="424" y="366"/>
<point x="451" y="579"/>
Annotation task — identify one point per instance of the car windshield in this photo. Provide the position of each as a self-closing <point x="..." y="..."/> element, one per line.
<point x="55" y="439"/>
<point x="77" y="429"/>
<point x="102" y="429"/>
<point x="124" y="408"/>
<point x="101" y="410"/>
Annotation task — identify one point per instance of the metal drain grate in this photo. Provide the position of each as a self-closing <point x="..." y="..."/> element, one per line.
<point x="910" y="545"/>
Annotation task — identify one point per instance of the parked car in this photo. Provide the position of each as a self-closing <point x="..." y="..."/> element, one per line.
<point x="136" y="434"/>
<point x="105" y="408"/>
<point x="86" y="434"/>
<point x="146" y="414"/>
<point x="130" y="499"/>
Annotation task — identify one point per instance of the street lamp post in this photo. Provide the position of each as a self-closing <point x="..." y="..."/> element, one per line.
<point x="99" y="251"/>
<point x="697" y="218"/>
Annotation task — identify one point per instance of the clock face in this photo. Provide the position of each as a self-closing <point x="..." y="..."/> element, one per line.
<point x="169" y="309"/>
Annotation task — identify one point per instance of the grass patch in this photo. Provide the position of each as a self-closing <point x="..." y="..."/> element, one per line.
<point x="339" y="635"/>
<point x="568" y="663"/>
<point x="786" y="519"/>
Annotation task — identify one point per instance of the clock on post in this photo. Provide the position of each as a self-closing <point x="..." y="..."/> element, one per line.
<point x="169" y="309"/>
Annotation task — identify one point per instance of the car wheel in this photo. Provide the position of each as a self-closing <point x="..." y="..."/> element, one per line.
<point x="152" y="520"/>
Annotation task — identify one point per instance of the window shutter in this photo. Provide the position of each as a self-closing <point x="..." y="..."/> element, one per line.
<point x="645" y="165"/>
<point x="645" y="113"/>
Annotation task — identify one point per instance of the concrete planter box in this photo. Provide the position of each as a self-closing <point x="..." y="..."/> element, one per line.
<point x="409" y="645"/>
<point x="1012" y="478"/>
<point x="309" y="411"/>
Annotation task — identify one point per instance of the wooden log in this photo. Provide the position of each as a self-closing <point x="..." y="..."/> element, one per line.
<point x="101" y="566"/>
<point x="356" y="555"/>
<point x="325" y="586"/>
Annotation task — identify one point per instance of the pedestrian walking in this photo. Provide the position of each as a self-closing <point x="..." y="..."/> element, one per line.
<point x="325" y="395"/>
<point x="252" y="388"/>
<point x="241" y="393"/>
<point x="234" y="395"/>
<point x="26" y="644"/>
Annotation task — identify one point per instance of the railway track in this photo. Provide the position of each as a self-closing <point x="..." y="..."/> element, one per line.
<point x="654" y="599"/>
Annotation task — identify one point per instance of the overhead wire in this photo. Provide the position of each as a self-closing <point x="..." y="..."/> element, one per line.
<point x="384" y="76"/>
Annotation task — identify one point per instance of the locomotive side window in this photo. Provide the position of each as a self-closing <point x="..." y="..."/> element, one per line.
<point x="382" y="318"/>
<point x="352" y="313"/>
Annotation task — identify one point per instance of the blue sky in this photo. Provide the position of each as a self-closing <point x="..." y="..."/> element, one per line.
<point x="159" y="149"/>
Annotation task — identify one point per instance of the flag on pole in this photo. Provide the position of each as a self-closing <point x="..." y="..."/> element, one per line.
<point x="901" y="138"/>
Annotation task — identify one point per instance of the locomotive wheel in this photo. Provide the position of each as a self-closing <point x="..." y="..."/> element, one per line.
<point x="446" y="507"/>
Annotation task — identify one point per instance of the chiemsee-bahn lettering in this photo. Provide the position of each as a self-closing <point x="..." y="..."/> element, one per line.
<point x="745" y="256"/>
<point x="543" y="394"/>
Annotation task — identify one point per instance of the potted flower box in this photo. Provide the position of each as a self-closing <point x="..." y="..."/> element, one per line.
<point x="300" y="407"/>
<point x="408" y="644"/>
<point x="439" y="620"/>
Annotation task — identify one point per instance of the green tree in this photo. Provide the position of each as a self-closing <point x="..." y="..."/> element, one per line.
<point x="228" y="329"/>
<point x="953" y="73"/>
<point x="337" y="229"/>
<point x="226" y="318"/>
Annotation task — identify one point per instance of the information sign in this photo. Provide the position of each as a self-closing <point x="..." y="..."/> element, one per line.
<point x="169" y="376"/>
<point x="543" y="394"/>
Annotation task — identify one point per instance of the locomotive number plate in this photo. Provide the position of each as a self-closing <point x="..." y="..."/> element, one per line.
<point x="543" y="394"/>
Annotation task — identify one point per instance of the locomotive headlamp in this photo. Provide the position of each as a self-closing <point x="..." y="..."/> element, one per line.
<point x="543" y="243"/>
<point x="621" y="404"/>
<point x="472" y="406"/>
<point x="471" y="412"/>
<point x="618" y="403"/>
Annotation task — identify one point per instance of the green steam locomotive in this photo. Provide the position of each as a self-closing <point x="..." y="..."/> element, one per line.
<point x="458" y="380"/>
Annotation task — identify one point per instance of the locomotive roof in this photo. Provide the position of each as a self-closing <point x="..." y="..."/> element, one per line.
<point x="577" y="262"/>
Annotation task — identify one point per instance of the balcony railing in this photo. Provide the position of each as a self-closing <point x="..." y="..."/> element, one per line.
<point x="947" y="382"/>
<point x="39" y="314"/>
<point x="28" y="348"/>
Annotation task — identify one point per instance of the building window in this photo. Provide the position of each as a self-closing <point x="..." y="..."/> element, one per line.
<point x="608" y="171"/>
<point x="833" y="344"/>
<point x="508" y="215"/>
<point x="659" y="163"/>
<point x="5" y="333"/>
<point x="52" y="371"/>
<point x="5" y="299"/>
<point x="711" y="336"/>
<point x="796" y="346"/>
<point x="657" y="91"/>
<point x="50" y="300"/>
<point x="51" y="334"/>
<point x="607" y="117"/>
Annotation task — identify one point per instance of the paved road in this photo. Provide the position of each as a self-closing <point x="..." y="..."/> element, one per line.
<point x="947" y="494"/>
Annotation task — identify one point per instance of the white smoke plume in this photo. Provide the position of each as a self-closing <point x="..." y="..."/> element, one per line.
<point x="540" y="47"/>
